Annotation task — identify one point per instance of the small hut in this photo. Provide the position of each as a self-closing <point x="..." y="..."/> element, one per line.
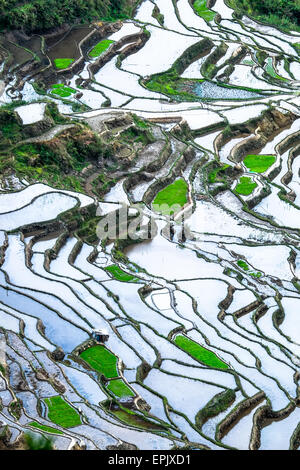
<point x="101" y="336"/>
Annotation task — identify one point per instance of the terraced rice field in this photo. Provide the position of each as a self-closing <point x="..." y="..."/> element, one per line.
<point x="202" y="110"/>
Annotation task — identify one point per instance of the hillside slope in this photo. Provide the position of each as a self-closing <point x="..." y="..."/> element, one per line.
<point x="41" y="15"/>
<point x="282" y="13"/>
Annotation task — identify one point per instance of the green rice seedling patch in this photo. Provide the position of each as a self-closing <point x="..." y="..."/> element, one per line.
<point x="271" y="71"/>
<point x="202" y="10"/>
<point x="246" y="186"/>
<point x="259" y="163"/>
<point x="63" y="63"/>
<point x="42" y="427"/>
<point x="62" y="90"/>
<point x="200" y="353"/>
<point x="102" y="360"/>
<point x="101" y="47"/>
<point x="61" y="413"/>
<point x="120" y="275"/>
<point x="174" y="194"/>
<point x="242" y="264"/>
<point x="256" y="275"/>
<point x="120" y="389"/>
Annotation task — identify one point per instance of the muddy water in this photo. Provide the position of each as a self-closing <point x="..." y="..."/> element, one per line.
<point x="18" y="53"/>
<point x="68" y="46"/>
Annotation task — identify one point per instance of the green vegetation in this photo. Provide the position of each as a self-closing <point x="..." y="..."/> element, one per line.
<point x="87" y="231"/>
<point x="216" y="405"/>
<point x="15" y="408"/>
<point x="120" y="389"/>
<point x="10" y="127"/>
<point x="256" y="275"/>
<point x="137" y="134"/>
<point x="164" y="84"/>
<point x="133" y="419"/>
<point x="248" y="62"/>
<point x="63" y="63"/>
<point x="175" y="193"/>
<point x="202" y="10"/>
<point x="120" y="275"/>
<point x="61" y="413"/>
<point x="198" y="352"/>
<point x="242" y="264"/>
<point x="102" y="360"/>
<point x="246" y="186"/>
<point x="2" y="370"/>
<point x="34" y="424"/>
<point x="191" y="89"/>
<point x="212" y="176"/>
<point x="140" y="122"/>
<point x="270" y="70"/>
<point x="41" y="161"/>
<point x="41" y="15"/>
<point x="35" y="441"/>
<point x="54" y="114"/>
<point x="58" y="161"/>
<point x="100" y="48"/>
<point x="284" y="14"/>
<point x="259" y="163"/>
<point x="156" y="13"/>
<point x="170" y="83"/>
<point x="62" y="90"/>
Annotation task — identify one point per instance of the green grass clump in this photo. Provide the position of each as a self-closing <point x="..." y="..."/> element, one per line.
<point x="102" y="360"/>
<point x="215" y="406"/>
<point x="35" y="441"/>
<point x="246" y="186"/>
<point x="198" y="352"/>
<point x="100" y="48"/>
<point x="15" y="408"/>
<point x="242" y="264"/>
<point x="202" y="10"/>
<point x="140" y="122"/>
<point x="259" y="163"/>
<point x="10" y="127"/>
<point x="61" y="413"/>
<point x="2" y="370"/>
<point x="63" y="63"/>
<point x="270" y="70"/>
<point x="34" y="424"/>
<point x="120" y="275"/>
<point x="175" y="193"/>
<point x="283" y="14"/>
<point x="62" y="90"/>
<point x="120" y="389"/>
<point x="214" y="173"/>
<point x="256" y="275"/>
<point x="137" y="134"/>
<point x="133" y="419"/>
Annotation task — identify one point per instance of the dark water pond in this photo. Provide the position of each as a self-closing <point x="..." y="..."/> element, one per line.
<point x="68" y="46"/>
